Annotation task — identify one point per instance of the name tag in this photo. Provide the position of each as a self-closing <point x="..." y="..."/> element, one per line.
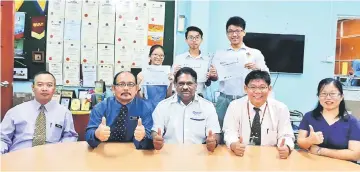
<point x="58" y="126"/>
<point x="134" y="117"/>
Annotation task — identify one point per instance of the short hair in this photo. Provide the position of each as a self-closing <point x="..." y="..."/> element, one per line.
<point x="236" y="21"/>
<point x="193" y="28"/>
<point x="258" y="74"/>
<point x="114" y="81"/>
<point x="185" y="70"/>
<point x="43" y="72"/>
<point x="152" y="49"/>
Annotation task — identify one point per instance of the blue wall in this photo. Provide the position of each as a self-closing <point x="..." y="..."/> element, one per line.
<point x="316" y="20"/>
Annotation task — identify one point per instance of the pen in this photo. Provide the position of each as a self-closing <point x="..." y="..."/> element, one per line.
<point x="267" y="131"/>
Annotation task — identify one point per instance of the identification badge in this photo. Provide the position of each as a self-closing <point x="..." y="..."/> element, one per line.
<point x="58" y="126"/>
<point x="134" y="117"/>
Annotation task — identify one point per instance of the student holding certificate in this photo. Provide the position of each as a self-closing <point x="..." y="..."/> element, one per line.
<point x="155" y="93"/>
<point x="195" y="60"/>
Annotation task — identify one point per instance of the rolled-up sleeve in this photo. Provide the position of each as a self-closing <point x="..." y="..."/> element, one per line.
<point x="7" y="132"/>
<point x="284" y="128"/>
<point x="231" y="125"/>
<point x="69" y="134"/>
<point x="212" y="122"/>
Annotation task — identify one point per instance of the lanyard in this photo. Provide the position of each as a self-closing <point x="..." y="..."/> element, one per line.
<point x="262" y="115"/>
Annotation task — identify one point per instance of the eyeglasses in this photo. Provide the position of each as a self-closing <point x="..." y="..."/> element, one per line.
<point x="158" y="55"/>
<point x="192" y="38"/>
<point x="253" y="89"/>
<point x="231" y="32"/>
<point x="189" y="84"/>
<point x="123" y="84"/>
<point x="332" y="95"/>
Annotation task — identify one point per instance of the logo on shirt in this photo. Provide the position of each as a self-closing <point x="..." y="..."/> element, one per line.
<point x="196" y="113"/>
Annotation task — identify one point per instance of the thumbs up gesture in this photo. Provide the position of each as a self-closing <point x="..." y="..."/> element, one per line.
<point x="102" y="132"/>
<point x="210" y="142"/>
<point x="238" y="147"/>
<point x="139" y="133"/>
<point x="284" y="151"/>
<point x="315" y="137"/>
<point x="158" y="140"/>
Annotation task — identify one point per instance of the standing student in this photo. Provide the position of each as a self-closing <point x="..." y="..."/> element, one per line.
<point x="194" y="38"/>
<point x="155" y="93"/>
<point x="234" y="88"/>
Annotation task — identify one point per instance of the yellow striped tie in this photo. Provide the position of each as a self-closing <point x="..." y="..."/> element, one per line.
<point x="40" y="129"/>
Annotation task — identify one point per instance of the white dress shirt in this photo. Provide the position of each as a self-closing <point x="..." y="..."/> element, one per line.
<point x="276" y="123"/>
<point x="235" y="86"/>
<point x="188" y="124"/>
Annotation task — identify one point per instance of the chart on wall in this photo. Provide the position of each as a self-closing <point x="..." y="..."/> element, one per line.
<point x="114" y="35"/>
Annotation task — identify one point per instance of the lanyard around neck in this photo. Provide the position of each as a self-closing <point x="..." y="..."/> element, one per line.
<point x="262" y="115"/>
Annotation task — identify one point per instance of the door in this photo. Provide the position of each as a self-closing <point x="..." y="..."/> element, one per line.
<point x="7" y="55"/>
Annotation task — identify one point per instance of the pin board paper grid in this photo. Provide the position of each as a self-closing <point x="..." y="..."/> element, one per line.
<point x="116" y="33"/>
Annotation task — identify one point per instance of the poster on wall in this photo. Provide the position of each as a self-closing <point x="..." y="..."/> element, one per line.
<point x="19" y="49"/>
<point x="156" y="22"/>
<point x="20" y="73"/>
<point x="38" y="27"/>
<point x="155" y="35"/>
<point x="19" y="25"/>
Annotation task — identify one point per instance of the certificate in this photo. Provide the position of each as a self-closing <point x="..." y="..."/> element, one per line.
<point x="157" y="13"/>
<point x="229" y="66"/>
<point x="107" y="10"/>
<point x="122" y="53"/>
<point x="123" y="66"/>
<point x="123" y="8"/>
<point x="88" y="28"/>
<point x="139" y="35"/>
<point x="89" y="75"/>
<point x="106" y="74"/>
<point x="156" y="75"/>
<point x="73" y="9"/>
<point x="105" y="54"/>
<point x="140" y="57"/>
<point x="90" y="10"/>
<point x="72" y="30"/>
<point x="71" y="74"/>
<point x="56" y="9"/>
<point x="57" y="70"/>
<point x="71" y="51"/>
<point x="55" y="30"/>
<point x="89" y="53"/>
<point x="200" y="66"/>
<point x="106" y="31"/>
<point x="141" y="11"/>
<point x="123" y="31"/>
<point x="54" y="51"/>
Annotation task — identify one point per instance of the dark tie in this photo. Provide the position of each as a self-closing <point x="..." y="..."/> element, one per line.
<point x="256" y="128"/>
<point x="40" y="128"/>
<point x="118" y="128"/>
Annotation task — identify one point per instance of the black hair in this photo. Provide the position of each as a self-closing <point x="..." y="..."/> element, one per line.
<point x="152" y="49"/>
<point x="258" y="74"/>
<point x="41" y="73"/>
<point x="318" y="109"/>
<point x="186" y="70"/>
<point x="236" y="21"/>
<point x="114" y="81"/>
<point x="193" y="28"/>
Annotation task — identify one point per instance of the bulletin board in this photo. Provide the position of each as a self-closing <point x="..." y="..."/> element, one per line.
<point x="105" y="37"/>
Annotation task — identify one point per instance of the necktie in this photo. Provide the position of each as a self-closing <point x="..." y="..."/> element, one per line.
<point x="118" y="129"/>
<point x="40" y="128"/>
<point x="256" y="128"/>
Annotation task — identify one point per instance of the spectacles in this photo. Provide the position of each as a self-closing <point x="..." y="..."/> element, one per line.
<point x="158" y="55"/>
<point x="192" y="38"/>
<point x="123" y="84"/>
<point x="231" y="32"/>
<point x="332" y="95"/>
<point x="262" y="89"/>
<point x="189" y="84"/>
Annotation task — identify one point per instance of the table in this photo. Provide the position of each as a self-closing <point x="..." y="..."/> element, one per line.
<point x="77" y="156"/>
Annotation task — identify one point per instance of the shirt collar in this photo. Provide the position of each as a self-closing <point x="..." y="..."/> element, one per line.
<point x="251" y="107"/>
<point x="128" y="105"/>
<point x="176" y="98"/>
<point x="47" y="105"/>
<point x="188" y="55"/>
<point x="243" y="47"/>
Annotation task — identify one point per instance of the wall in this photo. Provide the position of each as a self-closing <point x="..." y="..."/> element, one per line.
<point x="316" y="20"/>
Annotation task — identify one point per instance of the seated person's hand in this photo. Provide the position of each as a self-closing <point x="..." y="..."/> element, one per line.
<point x="158" y="140"/>
<point x="211" y="142"/>
<point x="284" y="150"/>
<point x="102" y="132"/>
<point x="139" y="133"/>
<point x="238" y="147"/>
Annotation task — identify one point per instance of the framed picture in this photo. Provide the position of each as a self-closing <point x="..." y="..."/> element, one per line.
<point x="68" y="93"/>
<point x="75" y="104"/>
<point x="99" y="87"/>
<point x="83" y="94"/>
<point x="38" y="57"/>
<point x="65" y="101"/>
<point x="85" y="105"/>
<point x="20" y="74"/>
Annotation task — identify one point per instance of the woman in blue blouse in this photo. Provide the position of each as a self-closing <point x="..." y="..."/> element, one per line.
<point x="155" y="93"/>
<point x="329" y="130"/>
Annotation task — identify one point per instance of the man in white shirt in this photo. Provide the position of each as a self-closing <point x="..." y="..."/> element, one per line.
<point x="257" y="119"/>
<point x="194" y="37"/>
<point x="185" y="117"/>
<point x="232" y="89"/>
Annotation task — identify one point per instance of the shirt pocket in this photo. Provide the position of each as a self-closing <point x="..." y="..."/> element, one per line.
<point x="198" y="126"/>
<point x="56" y="130"/>
<point x="271" y="138"/>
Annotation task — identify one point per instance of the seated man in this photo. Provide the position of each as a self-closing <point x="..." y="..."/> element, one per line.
<point x="123" y="117"/>
<point x="38" y="121"/>
<point x="185" y="117"/>
<point x="257" y="119"/>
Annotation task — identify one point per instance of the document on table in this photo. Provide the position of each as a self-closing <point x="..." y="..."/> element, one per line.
<point x="200" y="66"/>
<point x="89" y="75"/>
<point x="229" y="66"/>
<point x="156" y="75"/>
